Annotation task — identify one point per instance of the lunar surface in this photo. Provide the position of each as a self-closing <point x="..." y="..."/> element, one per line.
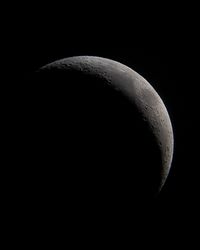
<point x="103" y="134"/>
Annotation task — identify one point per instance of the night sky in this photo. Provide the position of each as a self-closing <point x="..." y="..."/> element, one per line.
<point x="161" y="51"/>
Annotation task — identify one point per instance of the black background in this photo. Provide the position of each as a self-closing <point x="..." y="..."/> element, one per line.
<point x="159" y="45"/>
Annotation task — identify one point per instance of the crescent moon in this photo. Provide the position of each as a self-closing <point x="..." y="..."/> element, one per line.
<point x="90" y="82"/>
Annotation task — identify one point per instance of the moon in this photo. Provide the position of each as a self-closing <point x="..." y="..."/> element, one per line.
<point x="106" y="131"/>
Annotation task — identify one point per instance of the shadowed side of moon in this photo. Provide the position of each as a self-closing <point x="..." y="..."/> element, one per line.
<point x="102" y="135"/>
